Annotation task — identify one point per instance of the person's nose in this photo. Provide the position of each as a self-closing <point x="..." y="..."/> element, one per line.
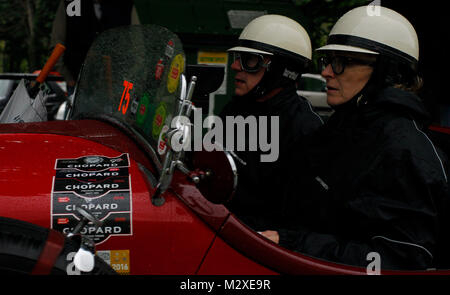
<point x="327" y="72"/>
<point x="236" y="65"/>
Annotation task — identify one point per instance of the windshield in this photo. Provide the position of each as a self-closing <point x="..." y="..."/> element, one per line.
<point x="5" y="88"/>
<point x="131" y="74"/>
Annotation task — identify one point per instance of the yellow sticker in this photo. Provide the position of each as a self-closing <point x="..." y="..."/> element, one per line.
<point x="176" y="69"/>
<point x="119" y="260"/>
<point x="208" y="57"/>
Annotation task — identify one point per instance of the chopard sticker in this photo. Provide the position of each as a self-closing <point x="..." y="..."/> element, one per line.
<point x="93" y="163"/>
<point x="98" y="184"/>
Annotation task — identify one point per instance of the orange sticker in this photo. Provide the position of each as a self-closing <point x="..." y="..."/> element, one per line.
<point x="119" y="260"/>
<point x="125" y="100"/>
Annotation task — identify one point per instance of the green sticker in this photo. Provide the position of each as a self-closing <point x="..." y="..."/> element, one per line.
<point x="142" y="110"/>
<point x="158" y="120"/>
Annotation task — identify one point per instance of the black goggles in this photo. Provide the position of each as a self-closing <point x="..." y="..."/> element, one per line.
<point x="250" y="62"/>
<point x="338" y="63"/>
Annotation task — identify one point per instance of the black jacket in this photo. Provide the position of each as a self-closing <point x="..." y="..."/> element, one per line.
<point x="258" y="200"/>
<point x="372" y="182"/>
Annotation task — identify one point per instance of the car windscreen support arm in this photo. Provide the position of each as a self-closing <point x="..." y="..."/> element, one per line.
<point x="174" y="158"/>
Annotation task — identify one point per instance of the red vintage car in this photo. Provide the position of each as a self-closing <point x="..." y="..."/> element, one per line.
<point x="108" y="181"/>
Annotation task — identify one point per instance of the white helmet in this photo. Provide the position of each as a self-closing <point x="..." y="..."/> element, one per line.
<point x="381" y="32"/>
<point x="276" y="35"/>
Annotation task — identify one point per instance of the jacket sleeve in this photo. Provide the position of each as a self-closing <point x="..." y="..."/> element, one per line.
<point x="394" y="255"/>
<point x="391" y="211"/>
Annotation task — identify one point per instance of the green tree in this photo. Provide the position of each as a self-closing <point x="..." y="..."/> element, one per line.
<point x="25" y="28"/>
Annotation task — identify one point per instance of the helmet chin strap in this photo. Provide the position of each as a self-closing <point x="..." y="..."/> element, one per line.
<point x="378" y="81"/>
<point x="262" y="87"/>
<point x="272" y="80"/>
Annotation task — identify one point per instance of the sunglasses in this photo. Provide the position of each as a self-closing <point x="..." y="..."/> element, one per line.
<point x="338" y="63"/>
<point x="250" y="62"/>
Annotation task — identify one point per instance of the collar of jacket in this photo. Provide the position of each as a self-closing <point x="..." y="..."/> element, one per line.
<point x="269" y="95"/>
<point x="401" y="99"/>
<point x="275" y="102"/>
<point x="388" y="99"/>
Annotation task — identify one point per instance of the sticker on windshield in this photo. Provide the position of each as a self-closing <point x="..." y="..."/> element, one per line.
<point x="170" y="49"/>
<point x="142" y="110"/>
<point x="176" y="68"/>
<point x="125" y="99"/>
<point x="159" y="119"/>
<point x="98" y="184"/>
<point x="159" y="69"/>
<point x="162" y="140"/>
<point x="134" y="106"/>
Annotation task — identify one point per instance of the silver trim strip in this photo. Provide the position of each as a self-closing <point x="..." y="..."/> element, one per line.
<point x="311" y="108"/>
<point x="437" y="155"/>
<point x="405" y="243"/>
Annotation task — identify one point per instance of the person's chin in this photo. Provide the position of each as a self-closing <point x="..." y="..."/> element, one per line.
<point x="240" y="92"/>
<point x="334" y="100"/>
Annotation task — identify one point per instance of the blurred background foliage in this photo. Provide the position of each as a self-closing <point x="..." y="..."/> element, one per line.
<point x="25" y="28"/>
<point x="25" y="25"/>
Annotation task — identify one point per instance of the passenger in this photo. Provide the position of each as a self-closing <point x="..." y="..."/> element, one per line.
<point x="380" y="183"/>
<point x="272" y="53"/>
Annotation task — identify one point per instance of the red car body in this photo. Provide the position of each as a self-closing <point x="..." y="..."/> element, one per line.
<point x="186" y="235"/>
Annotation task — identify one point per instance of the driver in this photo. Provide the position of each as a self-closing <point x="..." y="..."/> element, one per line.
<point x="380" y="183"/>
<point x="272" y="53"/>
